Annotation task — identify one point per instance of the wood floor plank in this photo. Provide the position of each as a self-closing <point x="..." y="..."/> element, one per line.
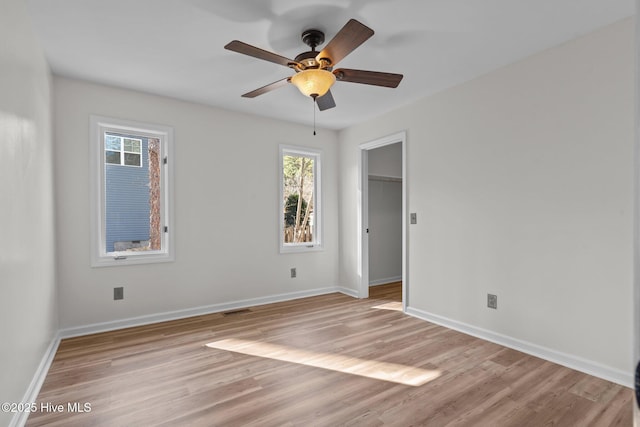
<point x="317" y="361"/>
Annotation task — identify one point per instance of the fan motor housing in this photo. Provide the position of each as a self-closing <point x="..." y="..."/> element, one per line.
<point x="308" y="59"/>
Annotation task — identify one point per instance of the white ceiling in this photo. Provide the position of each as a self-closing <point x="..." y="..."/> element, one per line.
<point x="175" y="47"/>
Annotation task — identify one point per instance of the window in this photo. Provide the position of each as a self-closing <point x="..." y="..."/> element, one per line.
<point x="122" y="150"/>
<point x="131" y="192"/>
<point x="300" y="199"/>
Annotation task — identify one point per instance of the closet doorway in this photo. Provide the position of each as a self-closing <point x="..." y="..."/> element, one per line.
<point x="383" y="242"/>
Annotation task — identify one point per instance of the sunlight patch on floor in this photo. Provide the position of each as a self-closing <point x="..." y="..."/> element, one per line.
<point x="393" y="372"/>
<point x="393" y="305"/>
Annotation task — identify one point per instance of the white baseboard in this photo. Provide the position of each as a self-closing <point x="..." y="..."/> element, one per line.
<point x="20" y="418"/>
<point x="348" y="292"/>
<point x="570" y="361"/>
<point x="196" y="311"/>
<point x="384" y="281"/>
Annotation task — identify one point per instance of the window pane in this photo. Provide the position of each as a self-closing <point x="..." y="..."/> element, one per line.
<point x="132" y="201"/>
<point x="112" y="157"/>
<point x="131" y="159"/>
<point x="298" y="200"/>
<point x="132" y="145"/>
<point x="112" y="142"/>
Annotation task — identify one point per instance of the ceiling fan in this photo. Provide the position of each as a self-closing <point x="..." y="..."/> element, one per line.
<point x="314" y="70"/>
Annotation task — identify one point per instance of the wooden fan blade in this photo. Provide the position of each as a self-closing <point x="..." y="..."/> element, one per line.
<point x="375" y="78"/>
<point x="352" y="35"/>
<point x="325" y="101"/>
<point x="267" y="88"/>
<point x="256" y="52"/>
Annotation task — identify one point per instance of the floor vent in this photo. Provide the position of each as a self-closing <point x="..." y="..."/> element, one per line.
<point x="233" y="312"/>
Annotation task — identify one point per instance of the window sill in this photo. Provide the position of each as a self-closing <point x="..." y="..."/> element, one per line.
<point x="294" y="249"/>
<point x="123" y="259"/>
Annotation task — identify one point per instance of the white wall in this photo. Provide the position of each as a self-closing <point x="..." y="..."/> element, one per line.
<point x="27" y="268"/>
<point x="386" y="161"/>
<point x="636" y="253"/>
<point x="385" y="231"/>
<point x="522" y="181"/>
<point x="226" y="209"/>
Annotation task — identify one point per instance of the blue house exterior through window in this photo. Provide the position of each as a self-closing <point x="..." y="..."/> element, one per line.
<point x="127" y="207"/>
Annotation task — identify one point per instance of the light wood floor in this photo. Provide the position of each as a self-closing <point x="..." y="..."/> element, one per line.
<point x="324" y="361"/>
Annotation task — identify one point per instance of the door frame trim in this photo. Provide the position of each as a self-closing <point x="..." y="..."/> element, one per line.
<point x="363" y="213"/>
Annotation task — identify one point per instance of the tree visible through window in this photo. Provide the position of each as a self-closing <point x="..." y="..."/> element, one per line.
<point x="299" y="193"/>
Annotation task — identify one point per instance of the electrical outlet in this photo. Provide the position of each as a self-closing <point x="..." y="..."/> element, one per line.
<point x="118" y="293"/>
<point x="492" y="301"/>
<point x="414" y="218"/>
<point x="293" y="273"/>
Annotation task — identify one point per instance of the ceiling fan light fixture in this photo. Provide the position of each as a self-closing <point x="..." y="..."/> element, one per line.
<point x="313" y="82"/>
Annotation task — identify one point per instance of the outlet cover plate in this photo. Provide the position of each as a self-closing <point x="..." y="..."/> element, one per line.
<point x="492" y="301"/>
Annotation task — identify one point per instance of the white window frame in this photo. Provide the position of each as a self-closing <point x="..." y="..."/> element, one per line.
<point x="317" y="244"/>
<point x="99" y="125"/>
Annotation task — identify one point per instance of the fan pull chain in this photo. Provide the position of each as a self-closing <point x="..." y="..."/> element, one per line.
<point x="314" y="115"/>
